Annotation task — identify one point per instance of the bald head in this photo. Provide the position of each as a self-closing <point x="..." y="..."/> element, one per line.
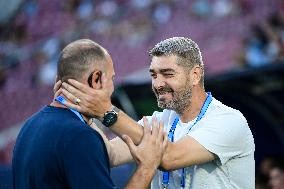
<point x="79" y="59"/>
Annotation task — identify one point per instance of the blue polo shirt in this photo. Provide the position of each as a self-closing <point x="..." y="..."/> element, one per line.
<point x="56" y="150"/>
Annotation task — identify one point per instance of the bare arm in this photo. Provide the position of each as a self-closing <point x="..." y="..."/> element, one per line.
<point x="117" y="149"/>
<point x="183" y="153"/>
<point x="177" y="155"/>
<point x="141" y="178"/>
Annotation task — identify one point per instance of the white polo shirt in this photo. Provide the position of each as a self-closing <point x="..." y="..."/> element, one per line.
<point x="223" y="131"/>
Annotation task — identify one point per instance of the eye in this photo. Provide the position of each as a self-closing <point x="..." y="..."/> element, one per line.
<point x="168" y="75"/>
<point x="153" y="75"/>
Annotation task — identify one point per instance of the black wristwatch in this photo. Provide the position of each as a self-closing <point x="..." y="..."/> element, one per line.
<point x="110" y="117"/>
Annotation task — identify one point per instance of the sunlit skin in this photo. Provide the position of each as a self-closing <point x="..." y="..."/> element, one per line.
<point x="166" y="74"/>
<point x="170" y="83"/>
<point x="109" y="74"/>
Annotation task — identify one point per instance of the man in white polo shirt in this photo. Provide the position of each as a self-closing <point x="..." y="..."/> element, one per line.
<point x="211" y="144"/>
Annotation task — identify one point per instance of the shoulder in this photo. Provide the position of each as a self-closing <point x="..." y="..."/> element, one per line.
<point x="84" y="140"/>
<point x="76" y="134"/>
<point x="82" y="131"/>
<point x="223" y="113"/>
<point x="225" y="123"/>
<point x="224" y="131"/>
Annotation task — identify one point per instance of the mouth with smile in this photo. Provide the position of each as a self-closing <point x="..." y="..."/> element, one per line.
<point x="164" y="95"/>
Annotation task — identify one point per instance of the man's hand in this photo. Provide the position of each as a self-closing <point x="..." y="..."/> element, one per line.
<point x="149" y="152"/>
<point x="57" y="89"/>
<point x="93" y="102"/>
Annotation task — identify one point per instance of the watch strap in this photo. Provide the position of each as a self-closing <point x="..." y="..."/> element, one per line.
<point x="110" y="117"/>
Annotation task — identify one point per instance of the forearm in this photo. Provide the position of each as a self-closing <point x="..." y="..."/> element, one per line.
<point x="168" y="160"/>
<point x="128" y="126"/>
<point x="184" y="153"/>
<point x="141" y="178"/>
<point x="117" y="149"/>
<point x="119" y="152"/>
<point x="176" y="157"/>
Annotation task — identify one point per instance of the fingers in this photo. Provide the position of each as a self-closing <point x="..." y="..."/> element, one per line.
<point x="57" y="86"/>
<point x="165" y="140"/>
<point x="159" y="134"/>
<point x="73" y="106"/>
<point x="80" y="107"/>
<point x="69" y="95"/>
<point x="161" y="130"/>
<point x="147" y="130"/>
<point x="154" y="126"/>
<point x="156" y="130"/>
<point x="57" y="93"/>
<point x="72" y="91"/>
<point x="76" y="84"/>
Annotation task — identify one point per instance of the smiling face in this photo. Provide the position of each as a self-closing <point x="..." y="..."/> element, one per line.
<point x="171" y="83"/>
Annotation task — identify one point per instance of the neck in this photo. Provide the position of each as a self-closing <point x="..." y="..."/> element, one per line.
<point x="59" y="105"/>
<point x="192" y="111"/>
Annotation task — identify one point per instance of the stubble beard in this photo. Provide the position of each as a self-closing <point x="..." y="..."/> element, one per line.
<point x="181" y="98"/>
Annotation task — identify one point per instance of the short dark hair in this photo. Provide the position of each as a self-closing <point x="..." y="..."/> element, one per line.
<point x="77" y="57"/>
<point x="187" y="52"/>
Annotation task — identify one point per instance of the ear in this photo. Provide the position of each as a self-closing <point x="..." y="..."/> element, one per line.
<point x="95" y="79"/>
<point x="196" y="73"/>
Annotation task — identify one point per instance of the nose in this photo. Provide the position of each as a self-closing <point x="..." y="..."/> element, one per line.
<point x="158" y="83"/>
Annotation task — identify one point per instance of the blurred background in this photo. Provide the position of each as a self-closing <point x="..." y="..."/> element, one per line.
<point x="242" y="43"/>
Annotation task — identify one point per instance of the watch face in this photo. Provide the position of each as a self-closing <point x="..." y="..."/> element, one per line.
<point x="110" y="118"/>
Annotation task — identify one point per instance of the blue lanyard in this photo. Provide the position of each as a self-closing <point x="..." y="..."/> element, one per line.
<point x="166" y="175"/>
<point x="62" y="100"/>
